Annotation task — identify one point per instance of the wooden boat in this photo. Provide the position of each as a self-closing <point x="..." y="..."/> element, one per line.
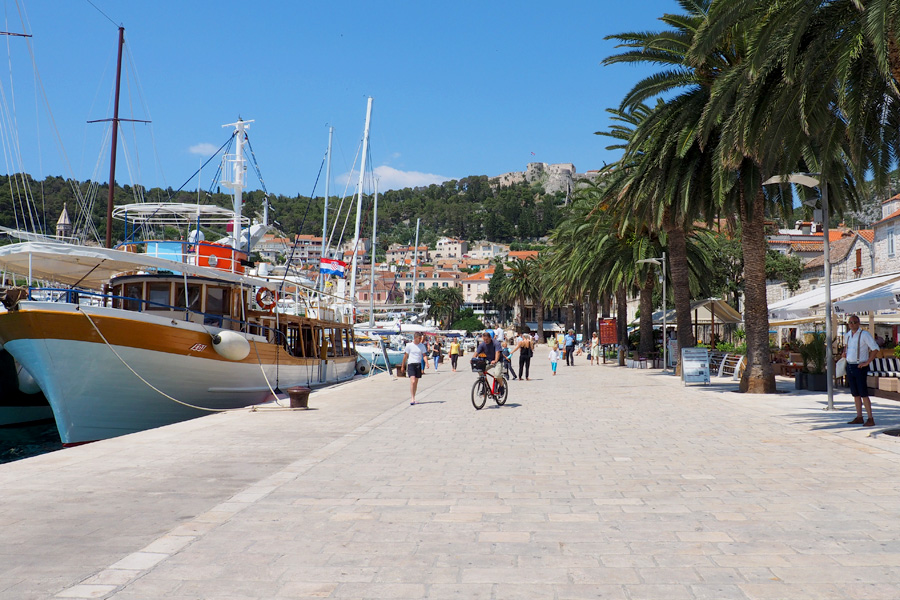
<point x="160" y="331"/>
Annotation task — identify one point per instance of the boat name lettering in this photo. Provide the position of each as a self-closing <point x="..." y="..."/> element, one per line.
<point x="198" y="347"/>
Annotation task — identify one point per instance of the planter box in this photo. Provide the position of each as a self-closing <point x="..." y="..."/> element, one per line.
<point x="888" y="384"/>
<point x="872" y="381"/>
<point x="817" y="382"/>
<point x="799" y="380"/>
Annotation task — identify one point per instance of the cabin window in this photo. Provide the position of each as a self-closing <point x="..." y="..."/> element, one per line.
<point x="158" y="296"/>
<point x="216" y="300"/>
<point x="134" y="293"/>
<point x="194" y="293"/>
<point x="308" y="340"/>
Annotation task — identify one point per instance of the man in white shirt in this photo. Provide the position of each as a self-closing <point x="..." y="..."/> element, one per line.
<point x="858" y="344"/>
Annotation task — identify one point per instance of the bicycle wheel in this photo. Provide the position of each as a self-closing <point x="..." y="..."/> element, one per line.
<point x="502" y="393"/>
<point x="479" y="394"/>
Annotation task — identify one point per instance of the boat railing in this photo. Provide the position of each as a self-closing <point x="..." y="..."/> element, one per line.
<point x="202" y="253"/>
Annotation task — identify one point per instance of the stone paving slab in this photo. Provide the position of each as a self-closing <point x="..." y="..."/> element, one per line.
<point x="599" y="482"/>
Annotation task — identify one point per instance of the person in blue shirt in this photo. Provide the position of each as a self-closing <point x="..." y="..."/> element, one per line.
<point x="570" y="348"/>
<point x="490" y="350"/>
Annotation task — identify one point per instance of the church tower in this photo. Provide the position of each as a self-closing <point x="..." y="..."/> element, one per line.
<point x="63" y="225"/>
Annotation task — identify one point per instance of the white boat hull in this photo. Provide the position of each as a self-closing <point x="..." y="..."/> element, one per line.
<point x="99" y="390"/>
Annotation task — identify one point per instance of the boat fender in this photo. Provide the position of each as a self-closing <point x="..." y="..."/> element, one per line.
<point x="362" y="367"/>
<point x="266" y="298"/>
<point x="231" y="345"/>
<point x="27" y="383"/>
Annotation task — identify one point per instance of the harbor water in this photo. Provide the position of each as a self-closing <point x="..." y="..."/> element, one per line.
<point x="22" y="441"/>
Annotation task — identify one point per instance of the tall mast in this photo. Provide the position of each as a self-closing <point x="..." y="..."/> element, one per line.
<point x="115" y="138"/>
<point x="415" y="261"/>
<point x="372" y="259"/>
<point x="325" y="211"/>
<point x="362" y="174"/>
<point x="233" y="166"/>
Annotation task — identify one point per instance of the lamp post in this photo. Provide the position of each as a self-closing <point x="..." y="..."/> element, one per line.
<point x="811" y="180"/>
<point x="661" y="262"/>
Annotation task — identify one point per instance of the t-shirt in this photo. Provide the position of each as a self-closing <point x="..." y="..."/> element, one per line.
<point x="454" y="348"/>
<point x="570" y="339"/>
<point x="415" y="351"/>
<point x="489" y="349"/>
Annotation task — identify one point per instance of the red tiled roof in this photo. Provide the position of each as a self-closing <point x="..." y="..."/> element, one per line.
<point x="867" y="234"/>
<point x="523" y="254"/>
<point x="893" y="215"/>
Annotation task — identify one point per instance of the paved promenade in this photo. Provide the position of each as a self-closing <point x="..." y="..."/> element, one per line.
<point x="601" y="482"/>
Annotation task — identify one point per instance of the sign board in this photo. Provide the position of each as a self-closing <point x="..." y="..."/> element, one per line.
<point x="608" y="333"/>
<point x="672" y="353"/>
<point x="695" y="365"/>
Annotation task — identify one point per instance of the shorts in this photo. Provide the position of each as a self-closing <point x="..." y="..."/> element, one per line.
<point x="856" y="379"/>
<point x="414" y="370"/>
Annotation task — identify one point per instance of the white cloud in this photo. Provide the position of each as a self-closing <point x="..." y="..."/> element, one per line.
<point x="390" y="178"/>
<point x="203" y="149"/>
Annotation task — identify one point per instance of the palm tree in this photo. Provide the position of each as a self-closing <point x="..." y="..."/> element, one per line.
<point x="519" y="286"/>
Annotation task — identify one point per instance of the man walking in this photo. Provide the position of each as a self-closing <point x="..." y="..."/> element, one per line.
<point x="857" y="345"/>
<point x="570" y="348"/>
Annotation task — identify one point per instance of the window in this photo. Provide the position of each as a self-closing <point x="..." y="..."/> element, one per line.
<point x="216" y="300"/>
<point x="858" y="258"/>
<point x="134" y="292"/>
<point x="890" y="241"/>
<point x="193" y="294"/>
<point x="158" y="296"/>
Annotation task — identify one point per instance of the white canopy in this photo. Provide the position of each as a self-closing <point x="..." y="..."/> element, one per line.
<point x="886" y="297"/>
<point x="90" y="267"/>
<point x="807" y="304"/>
<point x="705" y="311"/>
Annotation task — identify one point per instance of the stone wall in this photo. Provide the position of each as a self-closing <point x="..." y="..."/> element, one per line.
<point x="555" y="178"/>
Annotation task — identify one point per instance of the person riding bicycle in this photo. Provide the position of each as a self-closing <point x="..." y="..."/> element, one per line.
<point x="490" y="349"/>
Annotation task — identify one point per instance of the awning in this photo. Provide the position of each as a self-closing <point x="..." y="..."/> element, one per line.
<point x="806" y="306"/>
<point x="548" y="326"/>
<point x="724" y="313"/>
<point x="886" y="297"/>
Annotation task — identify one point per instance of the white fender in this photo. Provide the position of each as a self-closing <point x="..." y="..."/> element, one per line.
<point x="231" y="345"/>
<point x="362" y="366"/>
<point x="27" y="383"/>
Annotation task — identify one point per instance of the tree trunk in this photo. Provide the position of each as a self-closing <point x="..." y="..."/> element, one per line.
<point x="894" y="56"/>
<point x="678" y="268"/>
<point x="522" y="314"/>
<point x="646" y="323"/>
<point x="540" y="323"/>
<point x="578" y="309"/>
<point x="758" y="376"/>
<point x="621" y="318"/>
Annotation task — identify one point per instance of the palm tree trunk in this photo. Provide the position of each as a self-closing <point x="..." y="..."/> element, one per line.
<point x="894" y="56"/>
<point x="646" y="322"/>
<point x="621" y="318"/>
<point x="521" y="314"/>
<point x="540" y="323"/>
<point x="678" y="268"/>
<point x="758" y="376"/>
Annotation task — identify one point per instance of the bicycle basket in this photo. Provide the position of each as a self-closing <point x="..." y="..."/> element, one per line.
<point x="478" y="364"/>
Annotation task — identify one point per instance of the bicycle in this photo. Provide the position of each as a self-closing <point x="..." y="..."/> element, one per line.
<point x="483" y="388"/>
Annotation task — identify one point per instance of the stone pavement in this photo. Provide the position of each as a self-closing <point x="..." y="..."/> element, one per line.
<point x="601" y="482"/>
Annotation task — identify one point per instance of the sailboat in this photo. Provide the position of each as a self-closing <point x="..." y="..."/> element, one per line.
<point x="160" y="331"/>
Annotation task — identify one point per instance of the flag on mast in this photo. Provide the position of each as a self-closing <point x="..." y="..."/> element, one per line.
<point x="332" y="266"/>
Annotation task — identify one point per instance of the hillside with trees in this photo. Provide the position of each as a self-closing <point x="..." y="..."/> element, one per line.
<point x="468" y="208"/>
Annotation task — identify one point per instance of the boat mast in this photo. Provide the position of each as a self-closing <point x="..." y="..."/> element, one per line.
<point x="325" y="211"/>
<point x="115" y="136"/>
<point x="237" y="169"/>
<point x="362" y="174"/>
<point x="372" y="259"/>
<point x="115" y="139"/>
<point x="415" y="261"/>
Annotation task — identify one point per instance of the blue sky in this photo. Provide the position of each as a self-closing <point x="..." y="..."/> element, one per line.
<point x="460" y="88"/>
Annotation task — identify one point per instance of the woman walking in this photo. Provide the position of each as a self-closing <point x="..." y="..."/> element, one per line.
<point x="526" y="351"/>
<point x="436" y="354"/>
<point x="595" y="348"/>
<point x="454" y="353"/>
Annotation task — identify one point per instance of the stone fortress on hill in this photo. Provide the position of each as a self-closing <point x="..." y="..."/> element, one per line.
<point x="560" y="177"/>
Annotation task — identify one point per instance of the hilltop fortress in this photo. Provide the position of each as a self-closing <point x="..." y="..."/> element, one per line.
<point x="558" y="177"/>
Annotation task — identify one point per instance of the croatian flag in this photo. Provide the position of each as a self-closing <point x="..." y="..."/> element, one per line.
<point x="331" y="266"/>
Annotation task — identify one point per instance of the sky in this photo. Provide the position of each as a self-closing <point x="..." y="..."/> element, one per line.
<point x="460" y="88"/>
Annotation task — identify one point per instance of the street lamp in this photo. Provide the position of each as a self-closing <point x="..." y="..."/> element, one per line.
<point x="661" y="262"/>
<point x="811" y="180"/>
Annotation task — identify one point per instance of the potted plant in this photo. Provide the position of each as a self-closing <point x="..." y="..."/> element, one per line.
<point x="813" y="353"/>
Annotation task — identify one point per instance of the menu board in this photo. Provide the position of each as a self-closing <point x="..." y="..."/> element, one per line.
<point x="695" y="365"/>
<point x="608" y="333"/>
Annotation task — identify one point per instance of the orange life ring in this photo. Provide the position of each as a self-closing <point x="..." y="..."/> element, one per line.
<point x="266" y="298"/>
